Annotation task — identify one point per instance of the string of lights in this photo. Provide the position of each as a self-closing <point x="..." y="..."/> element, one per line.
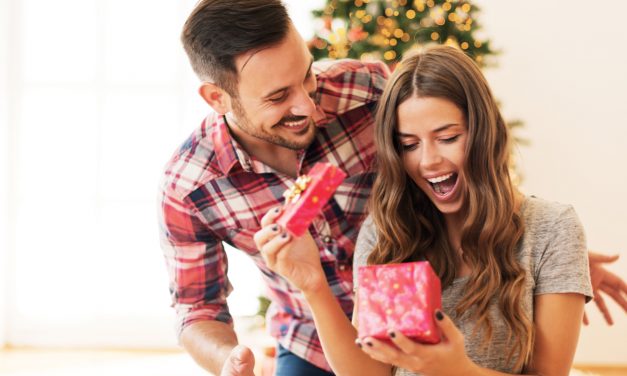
<point x="386" y="29"/>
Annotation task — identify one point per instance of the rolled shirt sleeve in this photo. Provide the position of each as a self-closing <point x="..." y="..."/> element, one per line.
<point x="196" y="264"/>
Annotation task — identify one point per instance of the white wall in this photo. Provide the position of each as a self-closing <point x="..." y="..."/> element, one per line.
<point x="4" y="22"/>
<point x="563" y="71"/>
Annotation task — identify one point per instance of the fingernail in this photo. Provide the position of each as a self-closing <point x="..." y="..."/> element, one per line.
<point x="392" y="334"/>
<point x="439" y="315"/>
<point x="275" y="228"/>
<point x="284" y="235"/>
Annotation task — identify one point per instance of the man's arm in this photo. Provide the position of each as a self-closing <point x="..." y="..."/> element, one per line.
<point x="196" y="264"/>
<point x="213" y="345"/>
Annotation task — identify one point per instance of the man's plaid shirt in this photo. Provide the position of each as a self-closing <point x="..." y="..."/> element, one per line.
<point x="214" y="192"/>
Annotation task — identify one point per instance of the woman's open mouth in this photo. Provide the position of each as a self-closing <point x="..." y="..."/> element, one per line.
<point x="443" y="185"/>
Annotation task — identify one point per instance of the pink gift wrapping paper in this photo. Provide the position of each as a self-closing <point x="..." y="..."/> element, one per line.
<point x="308" y="196"/>
<point x="399" y="296"/>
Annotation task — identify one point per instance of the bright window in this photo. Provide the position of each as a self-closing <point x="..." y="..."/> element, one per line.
<point x="101" y="95"/>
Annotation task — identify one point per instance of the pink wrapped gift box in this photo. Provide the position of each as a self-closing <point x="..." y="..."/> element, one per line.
<point x="305" y="199"/>
<point x="402" y="297"/>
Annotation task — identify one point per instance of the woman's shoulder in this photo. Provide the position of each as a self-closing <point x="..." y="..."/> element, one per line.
<point x="366" y="241"/>
<point x="550" y="228"/>
<point x="539" y="213"/>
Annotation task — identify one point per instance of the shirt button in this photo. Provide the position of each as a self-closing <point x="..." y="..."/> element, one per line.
<point x="342" y="267"/>
<point x="327" y="239"/>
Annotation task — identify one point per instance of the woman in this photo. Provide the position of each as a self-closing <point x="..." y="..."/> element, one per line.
<point x="514" y="269"/>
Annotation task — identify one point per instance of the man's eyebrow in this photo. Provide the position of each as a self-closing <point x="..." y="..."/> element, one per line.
<point x="275" y="92"/>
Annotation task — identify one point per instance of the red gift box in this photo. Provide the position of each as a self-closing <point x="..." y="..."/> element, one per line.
<point x="402" y="297"/>
<point x="305" y="199"/>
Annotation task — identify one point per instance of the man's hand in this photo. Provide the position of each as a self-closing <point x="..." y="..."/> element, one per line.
<point x="607" y="282"/>
<point x="240" y="362"/>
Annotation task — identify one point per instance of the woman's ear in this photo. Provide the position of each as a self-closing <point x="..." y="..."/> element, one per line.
<point x="215" y="97"/>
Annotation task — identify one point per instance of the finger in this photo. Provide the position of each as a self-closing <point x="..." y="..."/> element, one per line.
<point x="449" y="330"/>
<point x="616" y="295"/>
<point x="270" y="216"/>
<point x="600" y="257"/>
<point x="585" y="318"/>
<point x="381" y="351"/>
<point x="272" y="249"/>
<point x="405" y="344"/>
<point x="266" y="233"/>
<point x="615" y="282"/>
<point x="598" y="300"/>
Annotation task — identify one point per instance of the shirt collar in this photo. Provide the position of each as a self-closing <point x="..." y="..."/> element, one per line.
<point x="227" y="151"/>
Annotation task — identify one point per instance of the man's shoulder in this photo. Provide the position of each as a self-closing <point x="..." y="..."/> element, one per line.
<point x="193" y="163"/>
<point x="344" y="85"/>
<point x="338" y="69"/>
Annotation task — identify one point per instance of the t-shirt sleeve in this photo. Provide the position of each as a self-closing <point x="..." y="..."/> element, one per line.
<point x="563" y="266"/>
<point x="366" y="241"/>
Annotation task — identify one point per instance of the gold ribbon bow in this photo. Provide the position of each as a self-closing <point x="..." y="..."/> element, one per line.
<point x="293" y="194"/>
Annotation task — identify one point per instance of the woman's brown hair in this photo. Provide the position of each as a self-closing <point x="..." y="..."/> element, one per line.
<point x="409" y="227"/>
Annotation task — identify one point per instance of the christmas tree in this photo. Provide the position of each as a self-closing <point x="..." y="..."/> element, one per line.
<point x="385" y="29"/>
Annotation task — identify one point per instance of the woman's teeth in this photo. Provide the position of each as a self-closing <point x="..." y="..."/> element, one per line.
<point x="439" y="178"/>
<point x="443" y="184"/>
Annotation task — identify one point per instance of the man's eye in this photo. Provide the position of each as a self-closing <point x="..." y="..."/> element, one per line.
<point x="278" y="99"/>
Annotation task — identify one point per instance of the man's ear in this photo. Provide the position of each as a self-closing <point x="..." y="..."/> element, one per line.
<point x="215" y="97"/>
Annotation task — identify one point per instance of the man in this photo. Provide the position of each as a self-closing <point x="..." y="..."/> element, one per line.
<point x="276" y="114"/>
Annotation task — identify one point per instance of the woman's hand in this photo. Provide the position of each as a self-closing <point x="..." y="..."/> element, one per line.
<point x="445" y="358"/>
<point x="296" y="259"/>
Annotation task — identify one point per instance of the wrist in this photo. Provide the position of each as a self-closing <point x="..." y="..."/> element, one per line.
<point x="471" y="368"/>
<point x="318" y="287"/>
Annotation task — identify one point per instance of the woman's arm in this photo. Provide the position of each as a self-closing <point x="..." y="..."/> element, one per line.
<point x="298" y="260"/>
<point x="557" y="321"/>
<point x="338" y="336"/>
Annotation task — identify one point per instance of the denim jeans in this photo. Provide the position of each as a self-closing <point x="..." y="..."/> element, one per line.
<point x="288" y="364"/>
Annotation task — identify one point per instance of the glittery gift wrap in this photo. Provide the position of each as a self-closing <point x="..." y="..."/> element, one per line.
<point x="308" y="195"/>
<point x="402" y="297"/>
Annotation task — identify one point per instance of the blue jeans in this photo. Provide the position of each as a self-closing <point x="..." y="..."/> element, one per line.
<point x="288" y="364"/>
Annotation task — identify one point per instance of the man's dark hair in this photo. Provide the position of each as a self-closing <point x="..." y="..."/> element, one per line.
<point x="219" y="30"/>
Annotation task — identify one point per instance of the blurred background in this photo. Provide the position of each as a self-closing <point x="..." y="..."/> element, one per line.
<point x="95" y="95"/>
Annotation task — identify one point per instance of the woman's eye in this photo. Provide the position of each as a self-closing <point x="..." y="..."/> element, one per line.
<point x="409" y="147"/>
<point x="450" y="139"/>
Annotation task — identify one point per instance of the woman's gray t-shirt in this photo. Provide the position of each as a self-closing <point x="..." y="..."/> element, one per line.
<point x="554" y="254"/>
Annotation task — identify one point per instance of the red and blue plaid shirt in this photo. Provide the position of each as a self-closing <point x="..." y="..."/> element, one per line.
<point x="214" y="192"/>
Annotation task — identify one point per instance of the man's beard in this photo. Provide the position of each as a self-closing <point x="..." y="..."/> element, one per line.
<point x="247" y="127"/>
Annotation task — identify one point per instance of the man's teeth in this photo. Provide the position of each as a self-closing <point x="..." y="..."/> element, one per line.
<point x="294" y="124"/>
<point x="440" y="178"/>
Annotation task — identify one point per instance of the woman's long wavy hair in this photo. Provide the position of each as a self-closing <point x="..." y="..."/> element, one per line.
<point x="410" y="228"/>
